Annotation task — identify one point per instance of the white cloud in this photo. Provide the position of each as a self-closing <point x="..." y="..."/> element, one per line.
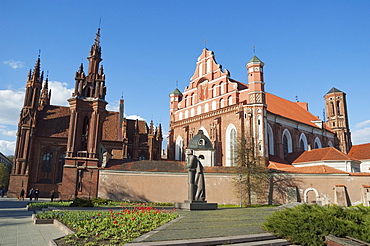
<point x="7" y="147"/>
<point x="361" y="133"/>
<point x="113" y="107"/>
<point x="14" y="64"/>
<point x="7" y="132"/>
<point x="134" y="117"/>
<point x="11" y="102"/>
<point x="59" y="93"/>
<point x="363" y="124"/>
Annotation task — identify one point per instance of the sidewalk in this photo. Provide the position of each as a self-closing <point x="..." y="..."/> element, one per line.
<point x="17" y="228"/>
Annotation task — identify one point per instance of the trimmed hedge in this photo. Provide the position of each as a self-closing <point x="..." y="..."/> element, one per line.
<point x="309" y="224"/>
<point x="80" y="202"/>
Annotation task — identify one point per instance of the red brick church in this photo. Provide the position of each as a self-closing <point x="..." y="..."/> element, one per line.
<point x="63" y="148"/>
<point x="226" y="110"/>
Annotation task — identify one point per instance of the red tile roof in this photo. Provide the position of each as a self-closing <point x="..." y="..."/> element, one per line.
<point x="360" y="152"/>
<point x="319" y="169"/>
<point x="53" y="121"/>
<point x="160" y="166"/>
<point x="111" y="129"/>
<point x="324" y="154"/>
<point x="290" y="110"/>
<point x="276" y="165"/>
<point x="359" y="174"/>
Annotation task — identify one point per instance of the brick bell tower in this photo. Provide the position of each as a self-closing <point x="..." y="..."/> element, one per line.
<point x="26" y="132"/>
<point x="88" y="111"/>
<point x="255" y="112"/>
<point x="337" y="118"/>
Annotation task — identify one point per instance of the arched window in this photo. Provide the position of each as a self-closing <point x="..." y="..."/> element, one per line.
<point x="287" y="142"/>
<point x="231" y="147"/>
<point x="47" y="162"/>
<point x="200" y="69"/>
<point x="338" y="107"/>
<point x="332" y="108"/>
<point x="330" y="143"/>
<point x="61" y="161"/>
<point x="214" y="91"/>
<point x="222" y="88"/>
<point x="230" y="100"/>
<point x="192" y="112"/>
<point x="206" y="108"/>
<point x="180" y="116"/>
<point x="85" y="134"/>
<point x="303" y="144"/>
<point x="179" y="149"/>
<point x="317" y="144"/>
<point x="208" y="65"/>
<point x="270" y="139"/>
<point x="199" y="111"/>
<point x="222" y="103"/>
<point x="186" y="114"/>
<point x="214" y="105"/>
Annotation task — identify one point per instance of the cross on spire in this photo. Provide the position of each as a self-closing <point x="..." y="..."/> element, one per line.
<point x="205" y="42"/>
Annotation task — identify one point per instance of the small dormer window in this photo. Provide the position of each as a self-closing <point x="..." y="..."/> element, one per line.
<point x="201" y="142"/>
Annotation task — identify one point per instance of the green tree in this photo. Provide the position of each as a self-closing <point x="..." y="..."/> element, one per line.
<point x="4" y="175"/>
<point x="253" y="174"/>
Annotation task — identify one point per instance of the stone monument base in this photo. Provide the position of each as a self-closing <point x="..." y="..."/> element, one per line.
<point x="195" y="205"/>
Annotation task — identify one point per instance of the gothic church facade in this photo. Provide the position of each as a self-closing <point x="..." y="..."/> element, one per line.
<point x="63" y="148"/>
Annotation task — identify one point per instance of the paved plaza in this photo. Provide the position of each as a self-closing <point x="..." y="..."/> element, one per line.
<point x="17" y="227"/>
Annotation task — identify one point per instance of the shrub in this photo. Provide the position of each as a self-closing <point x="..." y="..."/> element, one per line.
<point x="309" y="224"/>
<point x="80" y="202"/>
<point x="100" y="201"/>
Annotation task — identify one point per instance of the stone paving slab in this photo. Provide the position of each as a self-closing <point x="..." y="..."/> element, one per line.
<point x="17" y="227"/>
<point x="214" y="223"/>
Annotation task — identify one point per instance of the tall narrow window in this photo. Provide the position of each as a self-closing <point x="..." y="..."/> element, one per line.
<point x="61" y="161"/>
<point x="47" y="162"/>
<point x="213" y="91"/>
<point x="214" y="105"/>
<point x="179" y="149"/>
<point x="332" y="108"/>
<point x="208" y="65"/>
<point x="233" y="147"/>
<point x="85" y="134"/>
<point x="285" y="144"/>
<point x="230" y="100"/>
<point x="338" y="107"/>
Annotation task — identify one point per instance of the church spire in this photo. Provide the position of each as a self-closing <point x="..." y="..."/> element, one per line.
<point x="95" y="55"/>
<point x="45" y="94"/>
<point x="92" y="85"/>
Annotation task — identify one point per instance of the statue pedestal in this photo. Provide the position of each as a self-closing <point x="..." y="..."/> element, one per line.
<point x="195" y="205"/>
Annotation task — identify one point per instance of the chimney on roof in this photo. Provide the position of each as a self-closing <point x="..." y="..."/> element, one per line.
<point x="309" y="148"/>
<point x="303" y="105"/>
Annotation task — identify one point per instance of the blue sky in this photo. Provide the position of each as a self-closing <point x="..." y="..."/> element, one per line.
<point x="308" y="47"/>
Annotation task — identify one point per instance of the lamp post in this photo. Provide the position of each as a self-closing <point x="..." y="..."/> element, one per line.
<point x="240" y="189"/>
